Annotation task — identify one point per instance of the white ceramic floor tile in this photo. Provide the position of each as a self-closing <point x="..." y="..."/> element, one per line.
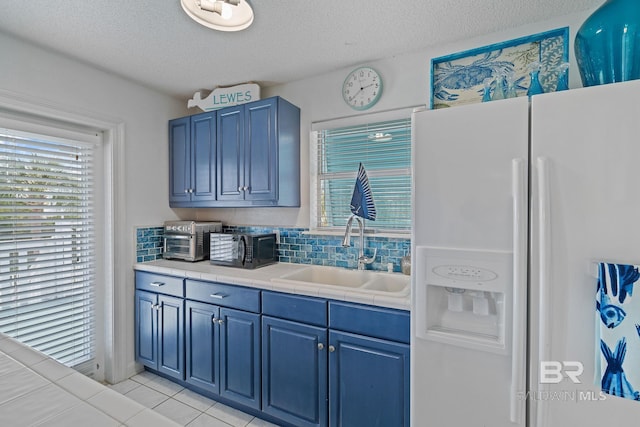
<point x="194" y="400"/>
<point x="115" y="405"/>
<point x="143" y="377"/>
<point x="125" y="386"/>
<point x="177" y="411"/>
<point x="80" y="385"/>
<point x="257" y="422"/>
<point x="229" y="415"/>
<point x="9" y="344"/>
<point x="206" y="420"/>
<point x="27" y="356"/>
<point x="81" y="415"/>
<point x="147" y="396"/>
<point x="18" y="383"/>
<point x="52" y="370"/>
<point x="8" y="365"/>
<point x="164" y="386"/>
<point x="36" y="406"/>
<point x="148" y="418"/>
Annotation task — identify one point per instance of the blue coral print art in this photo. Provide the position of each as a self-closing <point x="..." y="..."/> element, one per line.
<point x="618" y="317"/>
<point x="462" y="78"/>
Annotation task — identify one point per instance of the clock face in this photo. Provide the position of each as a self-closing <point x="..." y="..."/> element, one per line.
<point x="362" y="88"/>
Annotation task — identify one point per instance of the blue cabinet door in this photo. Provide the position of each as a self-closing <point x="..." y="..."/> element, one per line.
<point x="202" y="331"/>
<point x="261" y="151"/>
<point x="171" y="336"/>
<point x="240" y="356"/>
<point x="146" y="329"/>
<point x="368" y="382"/>
<point x="294" y="372"/>
<point x="230" y="141"/>
<point x="203" y="157"/>
<point x="179" y="160"/>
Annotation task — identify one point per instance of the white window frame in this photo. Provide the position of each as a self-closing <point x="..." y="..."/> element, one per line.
<point x="55" y="134"/>
<point x="111" y="361"/>
<point x="316" y="128"/>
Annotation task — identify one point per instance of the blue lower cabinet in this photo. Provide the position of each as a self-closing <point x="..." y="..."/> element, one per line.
<point x="240" y="356"/>
<point x="171" y="336"/>
<point x="294" y="372"/>
<point x="146" y="329"/>
<point x="202" y="338"/>
<point x="223" y="352"/>
<point x="159" y="333"/>
<point x="368" y="381"/>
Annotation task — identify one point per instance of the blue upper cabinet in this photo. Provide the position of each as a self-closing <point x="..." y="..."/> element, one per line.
<point x="259" y="154"/>
<point x="231" y="153"/>
<point x="192" y="160"/>
<point x="248" y="156"/>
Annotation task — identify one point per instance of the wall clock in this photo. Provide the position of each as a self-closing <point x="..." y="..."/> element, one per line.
<point x="362" y="88"/>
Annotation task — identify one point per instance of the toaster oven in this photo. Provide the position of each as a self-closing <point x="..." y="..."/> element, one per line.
<point x="188" y="240"/>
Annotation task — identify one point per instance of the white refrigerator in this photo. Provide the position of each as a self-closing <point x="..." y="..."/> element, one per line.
<point x="518" y="205"/>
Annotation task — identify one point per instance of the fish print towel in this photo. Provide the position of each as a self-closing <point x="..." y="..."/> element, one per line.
<point x="362" y="199"/>
<point x="618" y="317"/>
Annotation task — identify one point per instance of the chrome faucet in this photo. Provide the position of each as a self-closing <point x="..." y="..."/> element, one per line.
<point x="346" y="242"/>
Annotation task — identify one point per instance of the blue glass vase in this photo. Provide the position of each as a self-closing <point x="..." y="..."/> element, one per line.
<point x="607" y="45"/>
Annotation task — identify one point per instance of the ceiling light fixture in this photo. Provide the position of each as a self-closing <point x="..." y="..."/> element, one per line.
<point x="221" y="15"/>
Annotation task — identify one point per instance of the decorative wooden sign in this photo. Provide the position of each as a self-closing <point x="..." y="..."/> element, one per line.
<point x="222" y="97"/>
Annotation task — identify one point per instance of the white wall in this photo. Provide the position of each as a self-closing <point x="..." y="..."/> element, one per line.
<point x="406" y="83"/>
<point x="32" y="74"/>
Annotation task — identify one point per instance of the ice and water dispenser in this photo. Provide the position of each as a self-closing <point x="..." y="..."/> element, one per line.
<point x="462" y="297"/>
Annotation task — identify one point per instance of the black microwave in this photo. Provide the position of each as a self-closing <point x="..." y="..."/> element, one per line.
<point x="242" y="250"/>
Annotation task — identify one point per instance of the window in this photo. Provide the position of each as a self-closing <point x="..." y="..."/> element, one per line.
<point x="384" y="149"/>
<point x="47" y="244"/>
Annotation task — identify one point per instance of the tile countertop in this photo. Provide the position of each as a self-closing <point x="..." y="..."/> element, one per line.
<point x="35" y="390"/>
<point x="261" y="278"/>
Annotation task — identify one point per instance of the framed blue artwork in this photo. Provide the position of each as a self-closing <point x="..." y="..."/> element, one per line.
<point x="501" y="70"/>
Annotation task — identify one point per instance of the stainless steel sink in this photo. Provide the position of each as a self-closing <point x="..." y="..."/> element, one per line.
<point x="366" y="281"/>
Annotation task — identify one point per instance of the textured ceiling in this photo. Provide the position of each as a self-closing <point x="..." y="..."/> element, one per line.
<point x="155" y="43"/>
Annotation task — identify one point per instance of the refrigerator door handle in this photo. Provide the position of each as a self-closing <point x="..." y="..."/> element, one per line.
<point x="544" y="260"/>
<point x="518" y="343"/>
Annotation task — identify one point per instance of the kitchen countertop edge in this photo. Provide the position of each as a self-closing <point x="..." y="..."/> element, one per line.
<point x="261" y="278"/>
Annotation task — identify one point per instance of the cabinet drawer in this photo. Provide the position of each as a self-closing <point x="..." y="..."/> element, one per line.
<point x="295" y="307"/>
<point x="159" y="283"/>
<point x="224" y="295"/>
<point x="376" y="322"/>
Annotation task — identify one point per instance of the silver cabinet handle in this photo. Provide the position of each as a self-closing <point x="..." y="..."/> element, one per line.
<point x="320" y="346"/>
<point x="156" y="284"/>
<point x="214" y="320"/>
<point x="245" y="188"/>
<point x="239" y="188"/>
<point x="218" y="296"/>
<point x="190" y="190"/>
<point x="331" y="349"/>
<point x="186" y="190"/>
<point x="220" y="321"/>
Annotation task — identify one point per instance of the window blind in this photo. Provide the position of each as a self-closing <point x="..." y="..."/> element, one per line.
<point x="47" y="271"/>
<point x="384" y="148"/>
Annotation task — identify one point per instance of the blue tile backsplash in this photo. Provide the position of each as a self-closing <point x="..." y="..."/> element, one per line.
<point x="298" y="246"/>
<point x="149" y="243"/>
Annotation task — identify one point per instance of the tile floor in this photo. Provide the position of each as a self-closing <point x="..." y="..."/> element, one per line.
<point x="183" y="405"/>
